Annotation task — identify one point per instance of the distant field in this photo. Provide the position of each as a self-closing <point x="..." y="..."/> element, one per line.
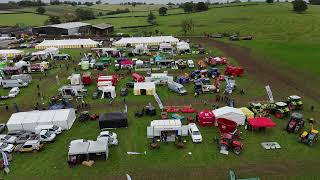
<point x="113" y="7"/>
<point x="121" y="22"/>
<point x="27" y="19"/>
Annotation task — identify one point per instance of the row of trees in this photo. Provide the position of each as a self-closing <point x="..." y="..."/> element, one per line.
<point x="79" y="15"/>
<point x="73" y="3"/>
<point x="27" y="3"/>
<point x="190" y="7"/>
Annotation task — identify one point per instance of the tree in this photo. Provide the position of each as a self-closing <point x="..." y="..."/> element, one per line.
<point x="187" y="7"/>
<point x="85" y="14"/>
<point x="187" y="25"/>
<point x="314" y="2"/>
<point x="53" y="20"/>
<point x="299" y="6"/>
<point x="270" y="1"/>
<point x="151" y="18"/>
<point x="98" y="2"/>
<point x="40" y="10"/>
<point x="201" y="6"/>
<point x="163" y="11"/>
<point x="70" y="17"/>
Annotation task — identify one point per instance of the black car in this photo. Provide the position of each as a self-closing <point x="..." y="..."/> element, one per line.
<point x="124" y="91"/>
<point x="130" y="84"/>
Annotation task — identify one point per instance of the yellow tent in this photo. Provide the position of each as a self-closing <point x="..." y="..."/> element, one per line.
<point x="144" y="88"/>
<point x="247" y="112"/>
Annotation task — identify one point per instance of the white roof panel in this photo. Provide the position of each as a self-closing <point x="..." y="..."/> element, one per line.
<point x="144" y="85"/>
<point x="146" y="40"/>
<point x="69" y="25"/>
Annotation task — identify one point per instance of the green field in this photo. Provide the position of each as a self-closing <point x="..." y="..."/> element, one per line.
<point x="27" y="19"/>
<point x="287" y="40"/>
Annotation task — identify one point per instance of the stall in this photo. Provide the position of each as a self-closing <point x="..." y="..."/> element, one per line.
<point x="10" y="53"/>
<point x="149" y="41"/>
<point x="230" y="113"/>
<point x="167" y="129"/>
<point x="108" y="91"/>
<point x="205" y="118"/>
<point x="144" y="88"/>
<point x="113" y="120"/>
<point x="68" y="44"/>
<point x="183" y="47"/>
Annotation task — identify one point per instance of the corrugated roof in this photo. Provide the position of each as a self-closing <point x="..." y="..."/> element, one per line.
<point x="69" y="25"/>
<point x="102" y="26"/>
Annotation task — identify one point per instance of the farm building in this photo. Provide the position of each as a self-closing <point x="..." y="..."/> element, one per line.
<point x="102" y="29"/>
<point x="149" y="41"/>
<point x="68" y="43"/>
<point x="230" y="113"/>
<point x="144" y="88"/>
<point x="10" y="53"/>
<point x="71" y="28"/>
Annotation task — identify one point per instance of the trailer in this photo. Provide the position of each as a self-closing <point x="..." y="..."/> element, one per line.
<point x="171" y="128"/>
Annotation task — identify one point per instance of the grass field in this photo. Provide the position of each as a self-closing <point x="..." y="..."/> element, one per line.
<point x="27" y="19"/>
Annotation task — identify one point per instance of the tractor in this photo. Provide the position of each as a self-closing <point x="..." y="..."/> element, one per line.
<point x="309" y="137"/>
<point x="279" y="109"/>
<point x="234" y="71"/>
<point x="228" y="142"/>
<point x="294" y="102"/>
<point x="295" y="124"/>
<point x="256" y="108"/>
<point x="213" y="72"/>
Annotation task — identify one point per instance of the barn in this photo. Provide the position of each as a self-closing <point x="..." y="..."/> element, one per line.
<point x="71" y="28"/>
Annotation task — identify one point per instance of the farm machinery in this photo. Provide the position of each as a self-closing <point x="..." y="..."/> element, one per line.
<point x="257" y="108"/>
<point x="309" y="137"/>
<point x="279" y="109"/>
<point x="203" y="86"/>
<point x="294" y="102"/>
<point x="234" y="71"/>
<point x="295" y="124"/>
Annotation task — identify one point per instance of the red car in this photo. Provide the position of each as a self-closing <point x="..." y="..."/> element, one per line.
<point x="234" y="71"/>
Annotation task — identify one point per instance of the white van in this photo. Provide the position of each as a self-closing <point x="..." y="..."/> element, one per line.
<point x="194" y="133"/>
<point x="14" y="92"/>
<point x="11" y="83"/>
<point x="190" y="63"/>
<point x="177" y="88"/>
<point x="51" y="128"/>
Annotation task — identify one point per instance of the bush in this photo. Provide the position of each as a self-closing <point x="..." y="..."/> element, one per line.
<point x="299" y="6"/>
<point x="40" y="10"/>
<point x="314" y="2"/>
<point x="85" y="14"/>
<point x="53" y="20"/>
<point x="163" y="11"/>
<point x="269" y="1"/>
<point x="201" y="6"/>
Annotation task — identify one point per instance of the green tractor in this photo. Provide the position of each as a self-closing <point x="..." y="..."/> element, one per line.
<point x="256" y="108"/>
<point x="279" y="109"/>
<point x="294" y="102"/>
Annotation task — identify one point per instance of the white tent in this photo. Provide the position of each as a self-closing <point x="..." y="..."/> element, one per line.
<point x="139" y="63"/>
<point x="68" y="43"/>
<point x="78" y="148"/>
<point x="230" y="113"/>
<point x="149" y="41"/>
<point x="88" y="147"/>
<point x="165" y="47"/>
<point x="98" y="147"/>
<point x="29" y="120"/>
<point x="108" y="91"/>
<point x="144" y="88"/>
<point x="41" y="54"/>
<point x="52" y="50"/>
<point x="75" y="79"/>
<point x="21" y="64"/>
<point x="10" y="53"/>
<point x="183" y="46"/>
<point x="140" y="49"/>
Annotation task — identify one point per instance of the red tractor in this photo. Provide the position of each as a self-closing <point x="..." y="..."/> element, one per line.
<point x="234" y="71"/>
<point x="295" y="124"/>
<point x="228" y="142"/>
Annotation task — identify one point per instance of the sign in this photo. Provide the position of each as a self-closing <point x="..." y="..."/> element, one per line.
<point x="269" y="92"/>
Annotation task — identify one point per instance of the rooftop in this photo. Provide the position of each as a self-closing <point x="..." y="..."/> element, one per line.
<point x="69" y="25"/>
<point x="102" y="26"/>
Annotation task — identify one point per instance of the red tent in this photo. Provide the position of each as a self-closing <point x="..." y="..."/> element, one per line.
<point x="261" y="122"/>
<point x="205" y="118"/>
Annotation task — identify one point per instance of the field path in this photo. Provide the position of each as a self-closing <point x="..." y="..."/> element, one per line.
<point x="281" y="79"/>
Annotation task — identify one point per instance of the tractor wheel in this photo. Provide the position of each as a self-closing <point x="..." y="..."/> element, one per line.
<point x="278" y="115"/>
<point x="237" y="150"/>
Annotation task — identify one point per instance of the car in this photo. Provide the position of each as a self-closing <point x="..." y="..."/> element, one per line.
<point x="234" y="38"/>
<point x="18" y="133"/>
<point x="51" y="128"/>
<point x="26" y="137"/>
<point x="109" y="136"/>
<point x="14" y="92"/>
<point x="190" y="63"/>
<point x="8" y="138"/>
<point x="194" y="133"/>
<point x="29" y="146"/>
<point x="47" y="136"/>
<point x="6" y="147"/>
<point x="124" y="91"/>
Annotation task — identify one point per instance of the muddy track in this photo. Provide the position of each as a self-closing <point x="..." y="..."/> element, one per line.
<point x="282" y="79"/>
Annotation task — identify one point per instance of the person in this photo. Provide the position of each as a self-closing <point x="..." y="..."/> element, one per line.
<point x="124" y="100"/>
<point x="242" y="92"/>
<point x="217" y="98"/>
<point x="312" y="108"/>
<point x="75" y="68"/>
<point x="38" y="86"/>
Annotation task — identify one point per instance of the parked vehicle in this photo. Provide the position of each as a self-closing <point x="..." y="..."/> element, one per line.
<point x="228" y="142"/>
<point x="25" y="78"/>
<point x="200" y="88"/>
<point x="29" y="146"/>
<point x="234" y="71"/>
<point x="109" y="137"/>
<point x="194" y="133"/>
<point x="279" y="109"/>
<point x="14" y="92"/>
<point x="295" y="124"/>
<point x="51" y="128"/>
<point x="18" y="133"/>
<point x="6" y="147"/>
<point x="137" y="77"/>
<point x="211" y="61"/>
<point x="213" y="72"/>
<point x="256" y="108"/>
<point x="309" y="137"/>
<point x="234" y="38"/>
<point x="8" y="138"/>
<point x="202" y="64"/>
<point x="11" y="83"/>
<point x="123" y="92"/>
<point x="181" y="64"/>
<point x="176" y="87"/>
<point x="76" y="90"/>
<point x="190" y="63"/>
<point x="47" y="136"/>
<point x="86" y="78"/>
<point x="183" y="79"/>
<point x="61" y="57"/>
<point x="294" y="102"/>
<point x="26" y="137"/>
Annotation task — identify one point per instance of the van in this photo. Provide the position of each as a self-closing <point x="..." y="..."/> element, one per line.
<point x="11" y="83"/>
<point x="14" y="92"/>
<point x="51" y="128"/>
<point x="194" y="133"/>
<point x="25" y="78"/>
<point x="176" y="87"/>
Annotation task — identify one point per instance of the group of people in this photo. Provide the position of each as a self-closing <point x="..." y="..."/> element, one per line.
<point x="164" y="136"/>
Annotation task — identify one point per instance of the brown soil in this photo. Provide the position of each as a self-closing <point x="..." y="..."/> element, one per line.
<point x="282" y="79"/>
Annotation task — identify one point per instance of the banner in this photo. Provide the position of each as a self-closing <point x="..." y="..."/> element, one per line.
<point x="269" y="92"/>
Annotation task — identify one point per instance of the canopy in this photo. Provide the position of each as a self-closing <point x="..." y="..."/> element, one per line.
<point x="183" y="46"/>
<point x="148" y="87"/>
<point x="113" y="120"/>
<point x="68" y="43"/>
<point x="10" y="52"/>
<point x="108" y="89"/>
<point x="247" y="112"/>
<point x="146" y="40"/>
<point x="261" y="122"/>
<point x="230" y="113"/>
<point x="79" y="148"/>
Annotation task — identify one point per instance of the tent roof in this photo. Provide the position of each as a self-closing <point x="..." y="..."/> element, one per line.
<point x="97" y="146"/>
<point x="144" y="85"/>
<point x="261" y="122"/>
<point x="226" y="110"/>
<point x="146" y="40"/>
<point x="102" y="26"/>
<point x="67" y="42"/>
<point x="166" y="122"/>
<point x="112" y="116"/>
<point x="79" y="148"/>
<point x="10" y="51"/>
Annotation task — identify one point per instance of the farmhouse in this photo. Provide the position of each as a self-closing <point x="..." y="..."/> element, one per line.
<point x="149" y="41"/>
<point x="68" y="43"/>
<point x="72" y="28"/>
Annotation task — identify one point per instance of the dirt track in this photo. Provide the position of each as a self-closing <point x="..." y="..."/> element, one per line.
<point x="281" y="79"/>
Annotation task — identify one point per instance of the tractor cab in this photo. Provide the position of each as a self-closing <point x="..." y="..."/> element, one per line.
<point x="294" y="102"/>
<point x="296" y="123"/>
<point x="310" y="137"/>
<point x="281" y="109"/>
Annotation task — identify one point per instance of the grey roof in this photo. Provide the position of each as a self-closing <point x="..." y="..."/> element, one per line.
<point x="102" y="26"/>
<point x="69" y="25"/>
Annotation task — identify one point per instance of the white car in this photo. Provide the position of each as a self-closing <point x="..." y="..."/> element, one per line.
<point x="14" y="92"/>
<point x="47" y="136"/>
<point x="108" y="136"/>
<point x="6" y="147"/>
<point x="8" y="139"/>
<point x="51" y="128"/>
<point x="190" y="63"/>
<point x="194" y="133"/>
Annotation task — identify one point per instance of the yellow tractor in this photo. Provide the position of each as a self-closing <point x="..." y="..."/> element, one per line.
<point x="309" y="137"/>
